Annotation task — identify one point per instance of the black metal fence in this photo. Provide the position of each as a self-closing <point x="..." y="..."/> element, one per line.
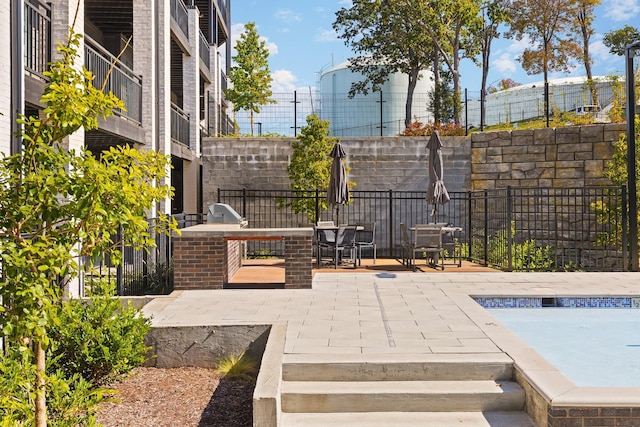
<point x="539" y="229"/>
<point x="547" y="229"/>
<point x="512" y="229"/>
<point x="142" y="271"/>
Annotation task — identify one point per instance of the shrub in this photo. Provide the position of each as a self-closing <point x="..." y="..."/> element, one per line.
<point x="418" y="128"/>
<point x="70" y="402"/>
<point x="99" y="339"/>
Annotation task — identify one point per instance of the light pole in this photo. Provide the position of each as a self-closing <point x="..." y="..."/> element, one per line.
<point x="632" y="51"/>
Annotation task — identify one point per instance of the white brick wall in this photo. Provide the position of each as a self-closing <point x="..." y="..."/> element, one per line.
<point x="5" y="77"/>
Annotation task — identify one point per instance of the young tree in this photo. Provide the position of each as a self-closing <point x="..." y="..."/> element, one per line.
<point x="310" y="167"/>
<point x="618" y="40"/>
<point x="385" y="42"/>
<point x="58" y="205"/>
<point x="250" y="77"/>
<point x="546" y="24"/>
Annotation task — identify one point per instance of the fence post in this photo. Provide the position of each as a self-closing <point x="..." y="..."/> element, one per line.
<point x="468" y="226"/>
<point x="244" y="202"/>
<point x="486" y="228"/>
<point x="119" y="271"/>
<point x="509" y="233"/>
<point x="317" y="205"/>
<point x="626" y="261"/>
<point x="390" y="225"/>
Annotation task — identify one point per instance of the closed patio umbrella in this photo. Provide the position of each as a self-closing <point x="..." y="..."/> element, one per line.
<point x="437" y="193"/>
<point x="338" y="192"/>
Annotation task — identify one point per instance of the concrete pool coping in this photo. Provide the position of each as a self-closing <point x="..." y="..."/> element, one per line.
<point x="534" y="371"/>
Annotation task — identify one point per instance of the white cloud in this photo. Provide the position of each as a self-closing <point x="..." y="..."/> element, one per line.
<point x="505" y="64"/>
<point x="326" y="35"/>
<point x="346" y="3"/>
<point x="599" y="52"/>
<point x="622" y="10"/>
<point x="238" y="29"/>
<point x="287" y="15"/>
<point x="283" y="81"/>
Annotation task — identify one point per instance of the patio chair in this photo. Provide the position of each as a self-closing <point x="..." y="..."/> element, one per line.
<point x="366" y="238"/>
<point x="345" y="239"/>
<point x="451" y="245"/>
<point x="406" y="246"/>
<point x="427" y="239"/>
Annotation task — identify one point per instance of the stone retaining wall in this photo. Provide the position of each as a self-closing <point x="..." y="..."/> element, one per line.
<point x="549" y="157"/>
<point x="553" y="157"/>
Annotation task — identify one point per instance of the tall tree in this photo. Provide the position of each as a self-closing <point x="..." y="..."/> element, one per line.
<point x="450" y="24"/>
<point x="494" y="13"/>
<point x="546" y="23"/>
<point x="250" y="76"/>
<point x="618" y="40"/>
<point x="583" y="26"/>
<point x="385" y="41"/>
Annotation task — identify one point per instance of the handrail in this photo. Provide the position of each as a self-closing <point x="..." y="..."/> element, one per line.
<point x="180" y="15"/>
<point x="121" y="79"/>
<point x="204" y="51"/>
<point x="37" y="39"/>
<point x="179" y="125"/>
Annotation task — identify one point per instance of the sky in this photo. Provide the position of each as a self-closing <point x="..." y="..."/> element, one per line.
<point x="302" y="42"/>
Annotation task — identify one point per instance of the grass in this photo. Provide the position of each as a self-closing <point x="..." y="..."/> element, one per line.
<point x="237" y="366"/>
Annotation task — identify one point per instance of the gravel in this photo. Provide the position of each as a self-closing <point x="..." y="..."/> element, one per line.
<point x="182" y="397"/>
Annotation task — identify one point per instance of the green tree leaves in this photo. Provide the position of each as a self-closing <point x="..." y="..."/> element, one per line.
<point x="250" y="76"/>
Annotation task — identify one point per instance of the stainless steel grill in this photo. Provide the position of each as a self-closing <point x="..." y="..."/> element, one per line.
<point x="221" y="213"/>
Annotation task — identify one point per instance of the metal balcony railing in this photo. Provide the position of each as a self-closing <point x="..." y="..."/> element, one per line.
<point x="179" y="125"/>
<point x="121" y="80"/>
<point x="180" y="16"/>
<point x="204" y="51"/>
<point x="37" y="39"/>
<point x="223" y="80"/>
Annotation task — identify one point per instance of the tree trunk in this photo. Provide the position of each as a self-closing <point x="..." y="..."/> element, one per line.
<point x="413" y="81"/>
<point x="436" y="84"/>
<point x="41" y="401"/>
<point x="251" y="120"/>
<point x="457" y="98"/>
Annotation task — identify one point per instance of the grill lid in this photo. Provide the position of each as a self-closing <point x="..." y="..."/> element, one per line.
<point x="222" y="213"/>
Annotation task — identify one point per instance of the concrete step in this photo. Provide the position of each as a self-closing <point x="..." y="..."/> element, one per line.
<point x="397" y="367"/>
<point x="401" y="396"/>
<point x="408" y="419"/>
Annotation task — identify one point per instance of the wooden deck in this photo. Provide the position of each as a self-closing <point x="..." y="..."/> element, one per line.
<point x="269" y="273"/>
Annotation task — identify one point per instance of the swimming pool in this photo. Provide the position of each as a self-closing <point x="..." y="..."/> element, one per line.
<point x="593" y="347"/>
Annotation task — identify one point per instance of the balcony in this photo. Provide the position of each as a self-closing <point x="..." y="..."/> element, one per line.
<point x="180" y="16"/>
<point x="179" y="126"/>
<point x="37" y="39"/>
<point x="120" y="79"/>
<point x="204" y="52"/>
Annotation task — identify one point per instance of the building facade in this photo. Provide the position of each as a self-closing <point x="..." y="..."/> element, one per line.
<point x="170" y="60"/>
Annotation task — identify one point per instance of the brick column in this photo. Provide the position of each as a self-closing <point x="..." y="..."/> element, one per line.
<point x="199" y="263"/>
<point x="298" y="262"/>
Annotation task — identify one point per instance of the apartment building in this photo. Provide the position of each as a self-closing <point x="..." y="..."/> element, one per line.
<point x="170" y="57"/>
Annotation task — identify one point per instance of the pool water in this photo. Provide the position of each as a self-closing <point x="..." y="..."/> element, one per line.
<point x="593" y="347"/>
